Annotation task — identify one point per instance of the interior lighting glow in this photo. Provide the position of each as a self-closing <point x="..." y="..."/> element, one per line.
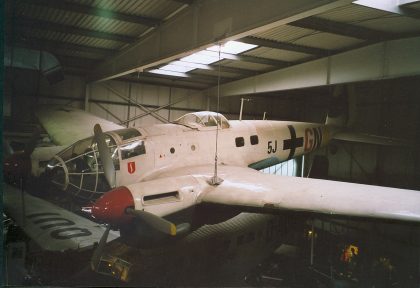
<point x="190" y="65"/>
<point x="201" y="57"/>
<point x="176" y="68"/>
<point x="170" y="73"/>
<point x="204" y="57"/>
<point x="232" y="47"/>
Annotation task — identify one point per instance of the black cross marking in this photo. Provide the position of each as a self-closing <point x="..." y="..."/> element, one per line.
<point x="293" y="142"/>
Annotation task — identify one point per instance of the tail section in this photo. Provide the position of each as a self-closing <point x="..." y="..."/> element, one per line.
<point x="341" y="108"/>
<point x="341" y="117"/>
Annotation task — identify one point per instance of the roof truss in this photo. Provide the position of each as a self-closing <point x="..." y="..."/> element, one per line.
<point x="95" y="11"/>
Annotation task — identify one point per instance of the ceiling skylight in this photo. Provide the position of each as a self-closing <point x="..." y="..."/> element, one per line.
<point x="232" y="47"/>
<point x="170" y="73"/>
<point x="203" y="57"/>
<point x="176" y="67"/>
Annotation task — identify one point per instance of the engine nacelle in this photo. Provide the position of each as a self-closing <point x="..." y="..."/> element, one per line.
<point x="166" y="196"/>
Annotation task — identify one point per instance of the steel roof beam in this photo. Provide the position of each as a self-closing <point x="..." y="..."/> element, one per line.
<point x="143" y="79"/>
<point x="226" y="69"/>
<point x="344" y="29"/>
<point x="286" y="46"/>
<point x="393" y="6"/>
<point x="204" y="23"/>
<point x="52" y="46"/>
<point x="256" y="60"/>
<point x="56" y="27"/>
<point x="180" y="75"/>
<point x="95" y="11"/>
<point x="80" y="62"/>
<point x="215" y="67"/>
<point x="389" y="59"/>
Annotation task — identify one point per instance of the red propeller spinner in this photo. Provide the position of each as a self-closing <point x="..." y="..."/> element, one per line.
<point x="111" y="207"/>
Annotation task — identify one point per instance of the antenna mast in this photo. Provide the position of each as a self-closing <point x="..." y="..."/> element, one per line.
<point x="215" y="180"/>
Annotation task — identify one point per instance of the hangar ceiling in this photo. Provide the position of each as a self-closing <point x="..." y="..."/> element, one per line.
<point x="132" y="40"/>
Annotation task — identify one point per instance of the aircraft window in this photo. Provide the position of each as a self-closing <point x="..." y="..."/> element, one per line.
<point x="84" y="168"/>
<point x="66" y="153"/>
<point x="254" y="139"/>
<point x="239" y="141"/>
<point x="82" y="146"/>
<point x="221" y="120"/>
<point x="188" y="118"/>
<point x="132" y="149"/>
<point x="203" y="118"/>
<point x="128" y="133"/>
<point x="208" y="120"/>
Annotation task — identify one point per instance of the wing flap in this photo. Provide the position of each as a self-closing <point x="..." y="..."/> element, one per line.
<point x="65" y="125"/>
<point x="51" y="227"/>
<point x="247" y="187"/>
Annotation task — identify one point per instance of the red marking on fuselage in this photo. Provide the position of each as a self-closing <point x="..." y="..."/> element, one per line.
<point x="131" y="167"/>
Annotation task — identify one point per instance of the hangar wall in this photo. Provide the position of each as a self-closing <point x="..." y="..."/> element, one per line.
<point x="28" y="89"/>
<point x="387" y="108"/>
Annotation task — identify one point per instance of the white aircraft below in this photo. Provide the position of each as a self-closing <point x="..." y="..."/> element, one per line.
<point x="146" y="178"/>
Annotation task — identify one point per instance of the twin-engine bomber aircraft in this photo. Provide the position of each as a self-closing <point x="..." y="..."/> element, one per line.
<point x="143" y="178"/>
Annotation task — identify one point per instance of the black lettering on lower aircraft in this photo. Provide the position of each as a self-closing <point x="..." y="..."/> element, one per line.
<point x="292" y="143"/>
<point x="58" y="233"/>
<point x="58" y="221"/>
<point x="271" y="148"/>
<point x="49" y="220"/>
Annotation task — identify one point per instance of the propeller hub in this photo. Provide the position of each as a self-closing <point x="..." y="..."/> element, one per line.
<point x="111" y="207"/>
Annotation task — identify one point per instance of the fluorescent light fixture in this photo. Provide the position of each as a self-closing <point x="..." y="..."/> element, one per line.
<point x="232" y="47"/>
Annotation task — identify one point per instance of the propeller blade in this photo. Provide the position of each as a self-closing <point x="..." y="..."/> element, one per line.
<point x="159" y="223"/>
<point x="97" y="254"/>
<point x="108" y="164"/>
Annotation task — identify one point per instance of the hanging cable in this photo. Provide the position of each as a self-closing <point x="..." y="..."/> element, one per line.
<point x="215" y="180"/>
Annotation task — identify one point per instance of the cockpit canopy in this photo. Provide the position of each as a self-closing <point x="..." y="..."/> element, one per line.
<point x="79" y="170"/>
<point x="203" y="119"/>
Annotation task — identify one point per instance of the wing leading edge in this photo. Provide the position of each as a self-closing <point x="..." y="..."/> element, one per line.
<point x="51" y="227"/>
<point x="65" y="125"/>
<point x="245" y="187"/>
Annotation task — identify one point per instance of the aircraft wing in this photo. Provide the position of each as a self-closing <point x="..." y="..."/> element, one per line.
<point x="51" y="227"/>
<point x="65" y="125"/>
<point x="248" y="188"/>
<point x="372" y="139"/>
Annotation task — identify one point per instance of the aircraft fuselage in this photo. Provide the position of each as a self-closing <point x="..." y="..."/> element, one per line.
<point x="257" y="144"/>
